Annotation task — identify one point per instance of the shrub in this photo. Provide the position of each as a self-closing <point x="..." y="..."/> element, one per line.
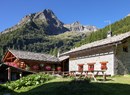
<point x="30" y="80"/>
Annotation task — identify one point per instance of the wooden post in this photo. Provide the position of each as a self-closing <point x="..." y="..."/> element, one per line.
<point x="104" y="76"/>
<point x="9" y="74"/>
<point x="63" y="66"/>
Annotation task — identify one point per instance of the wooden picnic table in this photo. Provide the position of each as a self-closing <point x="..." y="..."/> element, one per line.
<point x="93" y="73"/>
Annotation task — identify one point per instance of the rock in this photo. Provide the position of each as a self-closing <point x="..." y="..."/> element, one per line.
<point x="76" y="26"/>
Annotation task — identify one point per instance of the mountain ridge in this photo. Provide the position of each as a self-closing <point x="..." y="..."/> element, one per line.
<point x="76" y="26"/>
<point x="48" y="20"/>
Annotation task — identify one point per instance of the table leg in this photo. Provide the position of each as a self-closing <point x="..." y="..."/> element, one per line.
<point x="94" y="77"/>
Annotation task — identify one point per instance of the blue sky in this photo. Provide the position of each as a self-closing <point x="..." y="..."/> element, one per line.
<point x="88" y="12"/>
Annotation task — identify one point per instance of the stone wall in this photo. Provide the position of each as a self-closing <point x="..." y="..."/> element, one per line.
<point x="122" y="58"/>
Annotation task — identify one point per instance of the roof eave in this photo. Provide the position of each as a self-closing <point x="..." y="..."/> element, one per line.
<point x="41" y="60"/>
<point x="110" y="44"/>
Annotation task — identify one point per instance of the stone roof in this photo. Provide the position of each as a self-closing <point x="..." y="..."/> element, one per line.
<point x="63" y="58"/>
<point x="110" y="40"/>
<point x="33" y="56"/>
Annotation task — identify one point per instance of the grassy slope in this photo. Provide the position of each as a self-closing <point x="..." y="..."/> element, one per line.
<point x="119" y="85"/>
<point x="118" y="27"/>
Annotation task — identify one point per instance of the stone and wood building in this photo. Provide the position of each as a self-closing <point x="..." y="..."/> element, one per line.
<point x="111" y="54"/>
<point x="20" y="63"/>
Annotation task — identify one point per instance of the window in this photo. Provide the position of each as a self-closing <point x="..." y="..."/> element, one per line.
<point x="80" y="67"/>
<point x="125" y="48"/>
<point x="104" y="65"/>
<point x="91" y="66"/>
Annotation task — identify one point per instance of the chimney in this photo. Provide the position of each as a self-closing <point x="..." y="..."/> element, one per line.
<point x="109" y="34"/>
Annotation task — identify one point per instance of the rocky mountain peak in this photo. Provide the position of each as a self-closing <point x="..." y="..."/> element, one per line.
<point x="47" y="22"/>
<point x="45" y="14"/>
<point x="76" y="23"/>
<point x="49" y="12"/>
<point x="45" y="19"/>
<point x="76" y="26"/>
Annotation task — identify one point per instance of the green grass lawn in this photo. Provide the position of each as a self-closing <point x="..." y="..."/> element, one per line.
<point x="118" y="85"/>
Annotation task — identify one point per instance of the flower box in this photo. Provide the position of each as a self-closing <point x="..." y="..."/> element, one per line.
<point x="59" y="68"/>
<point x="48" y="68"/>
<point x="35" y="67"/>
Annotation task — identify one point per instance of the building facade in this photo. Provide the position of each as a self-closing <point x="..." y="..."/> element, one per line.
<point x="111" y="54"/>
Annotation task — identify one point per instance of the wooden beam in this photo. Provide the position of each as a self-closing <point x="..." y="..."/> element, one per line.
<point x="9" y="73"/>
<point x="10" y="58"/>
<point x="6" y="54"/>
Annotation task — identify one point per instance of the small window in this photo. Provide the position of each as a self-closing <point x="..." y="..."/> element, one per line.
<point x="125" y="48"/>
<point x="104" y="65"/>
<point x="91" y="66"/>
<point x="80" y="67"/>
